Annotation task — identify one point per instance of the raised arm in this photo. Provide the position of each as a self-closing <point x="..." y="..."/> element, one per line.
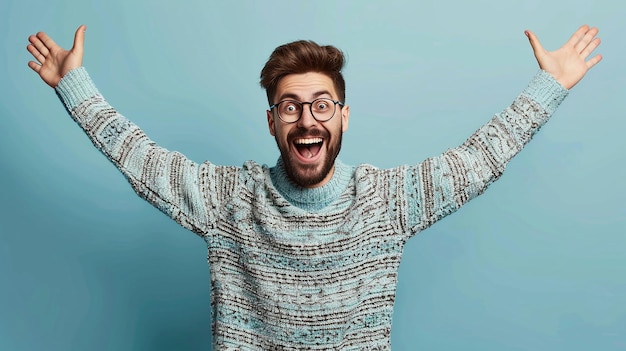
<point x="442" y="184"/>
<point x="166" y="179"/>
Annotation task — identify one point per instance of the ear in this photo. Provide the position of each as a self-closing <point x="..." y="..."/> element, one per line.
<point x="270" y="122"/>
<point x="345" y="117"/>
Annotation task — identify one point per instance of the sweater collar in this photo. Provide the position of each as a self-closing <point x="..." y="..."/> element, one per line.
<point x="311" y="198"/>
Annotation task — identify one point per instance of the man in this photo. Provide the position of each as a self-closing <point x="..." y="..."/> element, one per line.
<point x="304" y="255"/>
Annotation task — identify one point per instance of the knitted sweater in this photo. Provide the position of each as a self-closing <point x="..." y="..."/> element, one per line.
<point x="296" y="268"/>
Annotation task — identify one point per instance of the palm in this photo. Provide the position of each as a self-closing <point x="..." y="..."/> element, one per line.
<point x="569" y="64"/>
<point x="57" y="63"/>
<point x="53" y="62"/>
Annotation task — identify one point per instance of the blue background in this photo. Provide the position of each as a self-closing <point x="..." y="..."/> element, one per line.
<point x="536" y="263"/>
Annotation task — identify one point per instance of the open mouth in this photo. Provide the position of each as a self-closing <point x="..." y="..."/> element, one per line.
<point x="308" y="148"/>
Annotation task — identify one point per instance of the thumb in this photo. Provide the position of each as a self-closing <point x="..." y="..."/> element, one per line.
<point x="79" y="39"/>
<point x="534" y="42"/>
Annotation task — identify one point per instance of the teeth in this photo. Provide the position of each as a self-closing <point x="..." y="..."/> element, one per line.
<point x="308" y="141"/>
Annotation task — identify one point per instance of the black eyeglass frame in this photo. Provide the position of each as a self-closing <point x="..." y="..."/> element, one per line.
<point x="310" y="103"/>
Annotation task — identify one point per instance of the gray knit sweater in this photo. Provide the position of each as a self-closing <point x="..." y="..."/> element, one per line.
<point x="295" y="268"/>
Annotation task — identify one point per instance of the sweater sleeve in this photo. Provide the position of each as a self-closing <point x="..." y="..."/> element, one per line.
<point x="166" y="179"/>
<point x="440" y="185"/>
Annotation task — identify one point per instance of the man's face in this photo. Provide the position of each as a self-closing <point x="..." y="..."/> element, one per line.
<point x="308" y="147"/>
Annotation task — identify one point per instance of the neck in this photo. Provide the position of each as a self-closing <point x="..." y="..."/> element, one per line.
<point x="312" y="197"/>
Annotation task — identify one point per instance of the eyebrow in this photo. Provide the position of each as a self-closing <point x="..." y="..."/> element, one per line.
<point x="315" y="95"/>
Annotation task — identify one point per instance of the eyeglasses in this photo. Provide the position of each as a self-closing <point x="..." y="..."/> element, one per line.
<point x="322" y="109"/>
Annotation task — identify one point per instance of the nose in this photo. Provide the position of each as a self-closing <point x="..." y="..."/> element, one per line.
<point x="307" y="120"/>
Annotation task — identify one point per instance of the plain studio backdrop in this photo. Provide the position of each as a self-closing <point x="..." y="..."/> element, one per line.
<point x="536" y="263"/>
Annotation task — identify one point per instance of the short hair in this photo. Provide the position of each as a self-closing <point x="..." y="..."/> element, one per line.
<point x="303" y="56"/>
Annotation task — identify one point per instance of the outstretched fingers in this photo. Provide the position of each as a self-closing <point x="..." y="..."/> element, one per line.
<point x="535" y="43"/>
<point x="590" y="47"/>
<point x="36" y="53"/>
<point x="34" y="66"/>
<point x="41" y="46"/>
<point x="38" y="45"/>
<point x="593" y="61"/>
<point x="577" y="36"/>
<point x="588" y="36"/>
<point x="48" y="43"/>
<point x="79" y="38"/>
<point x="587" y="44"/>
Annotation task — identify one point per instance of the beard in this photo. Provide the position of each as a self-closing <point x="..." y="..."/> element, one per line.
<point x="310" y="175"/>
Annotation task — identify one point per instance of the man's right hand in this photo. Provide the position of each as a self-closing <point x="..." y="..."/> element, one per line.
<point x="52" y="61"/>
<point x="569" y="64"/>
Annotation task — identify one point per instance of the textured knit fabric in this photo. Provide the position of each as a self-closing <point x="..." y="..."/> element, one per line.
<point x="295" y="268"/>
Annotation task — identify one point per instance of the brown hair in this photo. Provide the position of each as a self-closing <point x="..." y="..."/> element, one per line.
<point x="301" y="57"/>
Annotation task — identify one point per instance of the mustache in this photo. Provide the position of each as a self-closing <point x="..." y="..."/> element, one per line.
<point x="304" y="133"/>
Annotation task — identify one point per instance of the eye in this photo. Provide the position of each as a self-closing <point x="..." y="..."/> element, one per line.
<point x="289" y="107"/>
<point x="321" y="105"/>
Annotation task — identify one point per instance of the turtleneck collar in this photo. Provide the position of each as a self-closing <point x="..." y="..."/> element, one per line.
<point x="311" y="198"/>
